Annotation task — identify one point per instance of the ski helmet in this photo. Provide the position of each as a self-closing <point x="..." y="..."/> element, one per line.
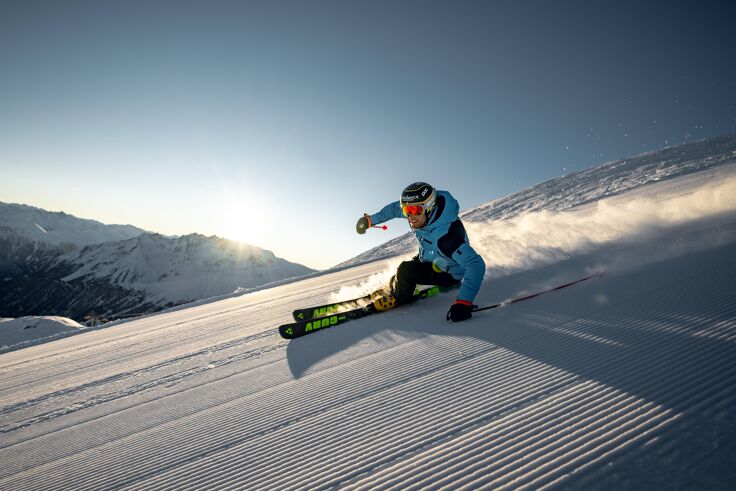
<point x="420" y="195"/>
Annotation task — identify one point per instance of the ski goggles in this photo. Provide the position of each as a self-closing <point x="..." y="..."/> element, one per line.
<point x="412" y="209"/>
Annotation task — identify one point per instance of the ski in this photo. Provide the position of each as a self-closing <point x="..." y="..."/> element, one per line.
<point x="301" y="328"/>
<point x="327" y="309"/>
<point x="310" y="313"/>
<point x="329" y="315"/>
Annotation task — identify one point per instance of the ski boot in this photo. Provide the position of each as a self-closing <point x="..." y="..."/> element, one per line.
<point x="383" y="300"/>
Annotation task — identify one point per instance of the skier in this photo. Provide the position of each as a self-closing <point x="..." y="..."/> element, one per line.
<point x="445" y="257"/>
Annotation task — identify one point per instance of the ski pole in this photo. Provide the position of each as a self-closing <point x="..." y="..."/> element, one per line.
<point x="527" y="297"/>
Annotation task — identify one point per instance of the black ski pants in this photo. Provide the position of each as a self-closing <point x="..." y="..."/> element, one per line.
<point x="415" y="272"/>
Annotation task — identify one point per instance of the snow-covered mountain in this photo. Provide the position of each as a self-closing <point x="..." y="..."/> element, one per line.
<point x="180" y="269"/>
<point x="55" y="228"/>
<point x="54" y="263"/>
<point x="626" y="381"/>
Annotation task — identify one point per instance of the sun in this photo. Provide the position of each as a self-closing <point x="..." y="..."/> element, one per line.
<point x="245" y="222"/>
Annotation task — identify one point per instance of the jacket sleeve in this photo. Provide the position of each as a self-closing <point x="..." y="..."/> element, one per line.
<point x="475" y="270"/>
<point x="391" y="210"/>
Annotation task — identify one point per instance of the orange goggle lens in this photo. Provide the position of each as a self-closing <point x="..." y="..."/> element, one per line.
<point x="412" y="210"/>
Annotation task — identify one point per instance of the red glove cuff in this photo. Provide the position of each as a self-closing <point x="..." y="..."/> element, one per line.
<point x="369" y="219"/>
<point x="464" y="302"/>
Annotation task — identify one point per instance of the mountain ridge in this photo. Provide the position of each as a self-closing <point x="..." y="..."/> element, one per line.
<point x="53" y="263"/>
<point x="58" y="227"/>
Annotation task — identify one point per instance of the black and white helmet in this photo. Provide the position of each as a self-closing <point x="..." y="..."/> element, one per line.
<point x="419" y="194"/>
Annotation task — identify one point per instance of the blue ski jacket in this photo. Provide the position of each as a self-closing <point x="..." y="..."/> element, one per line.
<point x="444" y="242"/>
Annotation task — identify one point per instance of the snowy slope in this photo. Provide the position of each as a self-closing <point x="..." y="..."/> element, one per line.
<point x="626" y="381"/>
<point x="586" y="186"/>
<point x="17" y="331"/>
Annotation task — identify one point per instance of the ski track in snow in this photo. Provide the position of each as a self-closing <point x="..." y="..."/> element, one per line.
<point x="561" y="391"/>
<point x="627" y="381"/>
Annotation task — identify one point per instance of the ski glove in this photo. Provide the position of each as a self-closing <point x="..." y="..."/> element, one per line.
<point x="364" y="223"/>
<point x="461" y="310"/>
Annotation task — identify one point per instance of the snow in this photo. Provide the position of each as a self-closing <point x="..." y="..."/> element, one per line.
<point x="60" y="228"/>
<point x="180" y="269"/>
<point x="75" y="266"/>
<point x="623" y="381"/>
<point x="23" y="330"/>
<point x="530" y="240"/>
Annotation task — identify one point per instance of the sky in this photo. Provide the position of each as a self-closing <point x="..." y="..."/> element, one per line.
<point x="280" y="123"/>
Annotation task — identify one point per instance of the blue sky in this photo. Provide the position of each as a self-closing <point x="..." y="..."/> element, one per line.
<point x="280" y="123"/>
